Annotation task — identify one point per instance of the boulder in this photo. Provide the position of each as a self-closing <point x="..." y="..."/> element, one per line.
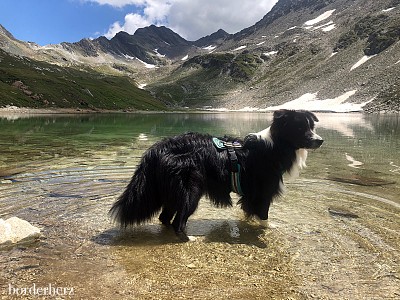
<point x="15" y="230"/>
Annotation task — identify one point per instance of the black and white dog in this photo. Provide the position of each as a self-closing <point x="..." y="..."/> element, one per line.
<point x="177" y="171"/>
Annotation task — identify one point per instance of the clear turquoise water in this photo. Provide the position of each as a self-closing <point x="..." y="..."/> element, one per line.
<point x="62" y="173"/>
<point x="357" y="147"/>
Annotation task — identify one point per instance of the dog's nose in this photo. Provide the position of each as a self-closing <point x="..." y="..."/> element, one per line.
<point x="317" y="143"/>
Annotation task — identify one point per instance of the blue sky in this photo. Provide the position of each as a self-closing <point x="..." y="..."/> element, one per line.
<point x="54" y="21"/>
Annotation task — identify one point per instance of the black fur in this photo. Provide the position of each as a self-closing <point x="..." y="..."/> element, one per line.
<point x="176" y="172"/>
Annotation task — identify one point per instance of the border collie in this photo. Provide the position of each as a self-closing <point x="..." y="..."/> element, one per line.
<point x="176" y="172"/>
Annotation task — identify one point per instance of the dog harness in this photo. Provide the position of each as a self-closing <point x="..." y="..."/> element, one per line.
<point x="235" y="165"/>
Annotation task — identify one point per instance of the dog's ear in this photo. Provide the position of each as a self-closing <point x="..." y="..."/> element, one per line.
<point x="280" y="113"/>
<point x="312" y="116"/>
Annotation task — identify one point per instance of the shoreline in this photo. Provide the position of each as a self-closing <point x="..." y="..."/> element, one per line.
<point x="67" y="111"/>
<point x="45" y="111"/>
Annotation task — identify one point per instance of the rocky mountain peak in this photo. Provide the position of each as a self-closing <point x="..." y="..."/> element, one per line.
<point x="217" y="37"/>
<point x="5" y="32"/>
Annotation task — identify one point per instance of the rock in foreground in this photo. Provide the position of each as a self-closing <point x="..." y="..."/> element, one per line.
<point x="15" y="230"/>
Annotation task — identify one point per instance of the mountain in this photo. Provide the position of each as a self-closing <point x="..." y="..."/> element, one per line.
<point x="216" y="38"/>
<point x="28" y="83"/>
<point x="148" y="44"/>
<point x="334" y="50"/>
<point x="339" y="51"/>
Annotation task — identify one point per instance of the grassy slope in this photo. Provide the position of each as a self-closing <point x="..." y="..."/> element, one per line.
<point x="46" y="85"/>
<point x="204" y="78"/>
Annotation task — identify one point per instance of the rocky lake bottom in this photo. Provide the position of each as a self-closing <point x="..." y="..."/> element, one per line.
<point x="333" y="235"/>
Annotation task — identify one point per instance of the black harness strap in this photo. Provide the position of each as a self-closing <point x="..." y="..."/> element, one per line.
<point x="233" y="159"/>
<point x="234" y="162"/>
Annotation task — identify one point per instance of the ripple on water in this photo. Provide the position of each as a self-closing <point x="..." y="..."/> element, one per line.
<point x="60" y="189"/>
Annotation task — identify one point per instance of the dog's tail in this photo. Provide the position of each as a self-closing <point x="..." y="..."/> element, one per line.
<point x="140" y="200"/>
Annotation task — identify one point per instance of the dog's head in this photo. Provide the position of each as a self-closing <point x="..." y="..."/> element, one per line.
<point x="296" y="128"/>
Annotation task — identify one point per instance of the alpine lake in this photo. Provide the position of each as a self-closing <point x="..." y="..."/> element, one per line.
<point x="334" y="234"/>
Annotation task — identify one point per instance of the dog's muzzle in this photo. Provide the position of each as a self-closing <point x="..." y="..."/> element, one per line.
<point x="315" y="141"/>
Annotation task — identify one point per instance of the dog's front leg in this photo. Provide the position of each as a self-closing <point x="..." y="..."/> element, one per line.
<point x="262" y="215"/>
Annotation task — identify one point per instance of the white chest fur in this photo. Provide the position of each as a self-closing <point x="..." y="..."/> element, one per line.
<point x="298" y="164"/>
<point x="301" y="154"/>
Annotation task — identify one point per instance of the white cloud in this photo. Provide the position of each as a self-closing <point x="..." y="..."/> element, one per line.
<point x="117" y="3"/>
<point x="132" y="22"/>
<point x="192" y="19"/>
<point x="153" y="12"/>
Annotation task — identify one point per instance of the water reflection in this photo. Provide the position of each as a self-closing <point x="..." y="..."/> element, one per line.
<point x="345" y="124"/>
<point x="208" y="230"/>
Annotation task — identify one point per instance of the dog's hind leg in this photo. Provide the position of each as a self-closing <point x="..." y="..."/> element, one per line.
<point x="179" y="225"/>
<point x="183" y="214"/>
<point x="166" y="215"/>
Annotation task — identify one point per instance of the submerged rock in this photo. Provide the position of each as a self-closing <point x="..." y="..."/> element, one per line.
<point x="342" y="212"/>
<point x="360" y="180"/>
<point x="15" y="230"/>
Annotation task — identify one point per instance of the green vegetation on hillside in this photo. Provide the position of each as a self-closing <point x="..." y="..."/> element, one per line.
<point x="376" y="30"/>
<point x="240" y="67"/>
<point x="204" y="78"/>
<point x="28" y="83"/>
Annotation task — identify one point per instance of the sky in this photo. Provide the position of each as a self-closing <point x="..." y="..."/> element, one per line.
<point x="55" y="21"/>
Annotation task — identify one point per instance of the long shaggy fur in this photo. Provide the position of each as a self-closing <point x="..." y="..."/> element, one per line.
<point x="177" y="171"/>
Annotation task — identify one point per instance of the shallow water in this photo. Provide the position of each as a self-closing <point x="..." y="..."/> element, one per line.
<point x="334" y="234"/>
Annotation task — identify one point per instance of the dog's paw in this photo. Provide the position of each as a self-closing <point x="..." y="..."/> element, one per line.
<point x="261" y="222"/>
<point x="192" y="238"/>
<point x="266" y="223"/>
<point x="182" y="236"/>
<point x="272" y="225"/>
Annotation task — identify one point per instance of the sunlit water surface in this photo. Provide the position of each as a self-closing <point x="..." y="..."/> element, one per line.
<point x="62" y="173"/>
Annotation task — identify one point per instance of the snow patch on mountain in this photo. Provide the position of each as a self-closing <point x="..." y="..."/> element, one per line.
<point x="128" y="57"/>
<point x="270" y="53"/>
<point x="148" y="66"/>
<point x="240" y="48"/>
<point x="320" y="18"/>
<point x="309" y="25"/>
<point x="323" y="25"/>
<point x="310" y="101"/>
<point x="329" y="28"/>
<point x="158" y="53"/>
<point x="209" y="48"/>
<point x="388" y="9"/>
<point x="364" y="59"/>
